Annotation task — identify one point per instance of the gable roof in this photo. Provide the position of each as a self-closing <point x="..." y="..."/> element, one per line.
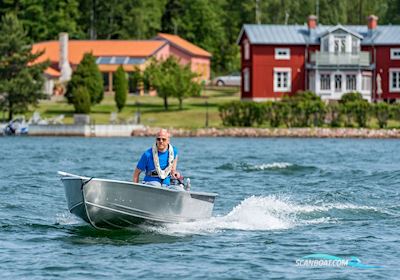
<point x="183" y="44"/>
<point x="77" y="48"/>
<point x="340" y="27"/>
<point x="266" y="34"/>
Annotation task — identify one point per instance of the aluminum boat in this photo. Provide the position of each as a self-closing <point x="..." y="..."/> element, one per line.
<point x="117" y="204"/>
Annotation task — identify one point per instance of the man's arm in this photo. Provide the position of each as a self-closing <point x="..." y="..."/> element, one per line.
<point x="136" y="175"/>
<point x="175" y="173"/>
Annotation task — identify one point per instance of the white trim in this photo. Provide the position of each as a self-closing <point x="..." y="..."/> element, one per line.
<point x="286" y="70"/>
<point x="246" y="79"/>
<point x="282" y="53"/>
<point x="391" y="88"/>
<point x="329" y="74"/>
<point x="395" y="54"/>
<point x="246" y="46"/>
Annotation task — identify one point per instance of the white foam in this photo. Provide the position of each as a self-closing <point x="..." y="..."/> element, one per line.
<point x="66" y="218"/>
<point x="274" y="165"/>
<point x="257" y="213"/>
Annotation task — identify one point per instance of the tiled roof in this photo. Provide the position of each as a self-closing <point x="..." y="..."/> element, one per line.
<point x="183" y="44"/>
<point x="76" y="49"/>
<point x="299" y="34"/>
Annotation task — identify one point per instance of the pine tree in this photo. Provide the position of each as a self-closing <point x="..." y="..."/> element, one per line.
<point x="121" y="88"/>
<point x="87" y="75"/>
<point x="21" y="80"/>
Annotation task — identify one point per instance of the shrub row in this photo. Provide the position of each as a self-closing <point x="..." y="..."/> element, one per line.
<point x="306" y="109"/>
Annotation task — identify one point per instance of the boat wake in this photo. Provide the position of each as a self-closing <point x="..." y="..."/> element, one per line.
<point x="258" y="213"/>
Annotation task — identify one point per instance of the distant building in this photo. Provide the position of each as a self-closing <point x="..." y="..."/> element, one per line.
<point x="328" y="60"/>
<point x="64" y="56"/>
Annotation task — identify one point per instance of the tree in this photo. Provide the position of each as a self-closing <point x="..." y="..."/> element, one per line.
<point x="21" y="80"/>
<point x="121" y="88"/>
<point x="82" y="101"/>
<point x="87" y="75"/>
<point x="185" y="84"/>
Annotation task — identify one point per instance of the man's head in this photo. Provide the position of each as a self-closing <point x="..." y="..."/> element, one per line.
<point x="162" y="140"/>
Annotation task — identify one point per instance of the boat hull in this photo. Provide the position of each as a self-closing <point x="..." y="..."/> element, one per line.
<point x="117" y="204"/>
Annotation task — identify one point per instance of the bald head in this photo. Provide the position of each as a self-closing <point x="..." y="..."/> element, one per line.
<point x="162" y="140"/>
<point x="163" y="133"/>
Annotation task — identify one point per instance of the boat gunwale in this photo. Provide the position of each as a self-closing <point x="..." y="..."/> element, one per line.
<point x="137" y="184"/>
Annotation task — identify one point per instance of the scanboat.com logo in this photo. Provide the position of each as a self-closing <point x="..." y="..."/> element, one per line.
<point x="324" y="260"/>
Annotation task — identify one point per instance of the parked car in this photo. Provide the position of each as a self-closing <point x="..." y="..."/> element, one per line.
<point x="233" y="79"/>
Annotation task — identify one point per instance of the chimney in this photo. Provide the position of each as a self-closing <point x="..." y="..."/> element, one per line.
<point x="63" y="64"/>
<point x="372" y="22"/>
<point x="312" y="22"/>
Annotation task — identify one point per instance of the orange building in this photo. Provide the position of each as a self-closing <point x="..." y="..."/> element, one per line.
<point x="64" y="56"/>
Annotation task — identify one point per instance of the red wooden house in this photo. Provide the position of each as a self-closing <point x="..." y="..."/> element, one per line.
<point x="328" y="60"/>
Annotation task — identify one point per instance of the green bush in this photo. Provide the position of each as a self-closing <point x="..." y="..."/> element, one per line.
<point x="121" y="88"/>
<point x="382" y="113"/>
<point x="81" y="100"/>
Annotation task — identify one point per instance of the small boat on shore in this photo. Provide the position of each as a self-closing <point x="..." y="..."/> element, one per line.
<point x="117" y="204"/>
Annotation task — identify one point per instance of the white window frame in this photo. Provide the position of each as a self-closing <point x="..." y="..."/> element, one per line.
<point x="282" y="53"/>
<point x="246" y="79"/>
<point x="395" y="54"/>
<point x="246" y="47"/>
<point x="335" y="88"/>
<point x="347" y="84"/>
<point x="393" y="88"/>
<point x="366" y="82"/>
<point x="286" y="88"/>
<point x="328" y="84"/>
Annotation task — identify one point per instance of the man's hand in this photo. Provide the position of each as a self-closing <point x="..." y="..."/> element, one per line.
<point x="175" y="174"/>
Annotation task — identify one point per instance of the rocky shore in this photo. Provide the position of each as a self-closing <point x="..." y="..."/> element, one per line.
<point x="276" y="132"/>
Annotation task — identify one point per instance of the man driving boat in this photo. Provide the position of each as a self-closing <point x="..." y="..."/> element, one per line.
<point x="159" y="162"/>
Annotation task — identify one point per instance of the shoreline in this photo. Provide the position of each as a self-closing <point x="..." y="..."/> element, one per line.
<point x="276" y="132"/>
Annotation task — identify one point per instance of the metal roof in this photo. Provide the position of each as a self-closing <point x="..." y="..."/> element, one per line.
<point x="300" y="35"/>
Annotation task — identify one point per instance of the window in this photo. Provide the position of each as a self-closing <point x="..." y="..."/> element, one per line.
<point x="246" y="78"/>
<point x="394" y="78"/>
<point x="282" y="79"/>
<point x="395" y="54"/>
<point x="282" y="53"/>
<point x="339" y="43"/>
<point x="325" y="80"/>
<point x="338" y="83"/>
<point x="366" y="82"/>
<point x="246" y="50"/>
<point x="354" y="45"/>
<point x="351" y="82"/>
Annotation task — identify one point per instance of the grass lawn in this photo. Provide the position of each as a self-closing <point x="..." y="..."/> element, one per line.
<point x="151" y="108"/>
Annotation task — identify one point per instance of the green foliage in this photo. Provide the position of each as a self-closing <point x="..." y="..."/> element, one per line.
<point x="121" y="88"/>
<point x="21" y="81"/>
<point x="213" y="25"/>
<point x="306" y="109"/>
<point x="334" y="114"/>
<point x="136" y="80"/>
<point x="185" y="84"/>
<point x="170" y="79"/>
<point x="87" y="75"/>
<point x="355" y="108"/>
<point x="382" y="113"/>
<point x="82" y="101"/>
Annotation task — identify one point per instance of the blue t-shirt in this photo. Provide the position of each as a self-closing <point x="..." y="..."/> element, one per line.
<point x="146" y="164"/>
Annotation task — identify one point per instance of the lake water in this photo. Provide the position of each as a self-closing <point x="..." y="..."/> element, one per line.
<point x="279" y="200"/>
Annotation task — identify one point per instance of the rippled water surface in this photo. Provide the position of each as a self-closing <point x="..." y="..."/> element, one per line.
<point x="279" y="200"/>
